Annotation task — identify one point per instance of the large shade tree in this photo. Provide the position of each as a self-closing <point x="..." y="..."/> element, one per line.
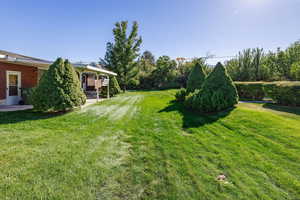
<point x="165" y="73"/>
<point x="121" y="55"/>
<point x="146" y="66"/>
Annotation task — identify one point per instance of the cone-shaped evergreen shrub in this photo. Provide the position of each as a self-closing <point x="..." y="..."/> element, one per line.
<point x="196" y="78"/>
<point x="114" y="87"/>
<point x="218" y="92"/>
<point x="59" y="88"/>
<point x="180" y="95"/>
<point x="190" y="100"/>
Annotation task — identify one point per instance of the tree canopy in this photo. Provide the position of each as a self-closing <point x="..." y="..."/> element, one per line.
<point x="257" y="65"/>
<point x="121" y="55"/>
<point x="165" y="72"/>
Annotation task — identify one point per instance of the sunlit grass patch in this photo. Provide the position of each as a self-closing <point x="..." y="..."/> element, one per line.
<point x="142" y="145"/>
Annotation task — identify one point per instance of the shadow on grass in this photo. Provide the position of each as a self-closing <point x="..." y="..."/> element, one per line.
<point x="195" y="119"/>
<point x="287" y="109"/>
<point x="27" y="115"/>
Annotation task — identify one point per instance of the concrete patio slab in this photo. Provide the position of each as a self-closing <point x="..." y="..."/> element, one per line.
<point x="9" y="108"/>
<point x="91" y="101"/>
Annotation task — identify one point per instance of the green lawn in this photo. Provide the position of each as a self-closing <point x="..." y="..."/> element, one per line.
<point x="141" y="145"/>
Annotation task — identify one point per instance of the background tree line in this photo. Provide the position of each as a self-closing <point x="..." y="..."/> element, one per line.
<point x="164" y="72"/>
<point x="144" y="71"/>
<point x="256" y="65"/>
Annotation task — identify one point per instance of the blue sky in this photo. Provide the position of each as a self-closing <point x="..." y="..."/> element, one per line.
<point x="79" y="30"/>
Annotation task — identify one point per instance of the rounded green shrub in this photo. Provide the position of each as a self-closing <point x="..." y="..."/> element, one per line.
<point x="180" y="95"/>
<point x="218" y="92"/>
<point x="59" y="89"/>
<point x="196" y="78"/>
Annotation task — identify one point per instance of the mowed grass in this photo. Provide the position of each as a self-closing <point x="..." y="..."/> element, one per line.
<point x="142" y="145"/>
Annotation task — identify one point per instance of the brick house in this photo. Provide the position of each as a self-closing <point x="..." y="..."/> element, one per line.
<point x="19" y="71"/>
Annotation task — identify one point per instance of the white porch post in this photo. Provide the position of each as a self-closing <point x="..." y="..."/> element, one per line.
<point x="80" y="77"/>
<point x="108" y="87"/>
<point x="97" y="86"/>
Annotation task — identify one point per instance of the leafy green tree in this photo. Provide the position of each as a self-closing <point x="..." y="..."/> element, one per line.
<point x="258" y="55"/>
<point x="295" y="71"/>
<point x="270" y="69"/>
<point x="146" y="63"/>
<point x="196" y="77"/>
<point x="164" y="76"/>
<point x="233" y="68"/>
<point x="293" y="52"/>
<point x="218" y="92"/>
<point x="59" y="88"/>
<point x="146" y="67"/>
<point x="206" y="68"/>
<point x="148" y="57"/>
<point x="184" y="69"/>
<point x="247" y="66"/>
<point x="121" y="55"/>
<point x="283" y="65"/>
<point x="255" y="65"/>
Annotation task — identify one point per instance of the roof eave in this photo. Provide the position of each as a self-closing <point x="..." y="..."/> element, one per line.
<point x="26" y="63"/>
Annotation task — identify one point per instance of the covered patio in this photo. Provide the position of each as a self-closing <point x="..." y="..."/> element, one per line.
<point x="92" y="79"/>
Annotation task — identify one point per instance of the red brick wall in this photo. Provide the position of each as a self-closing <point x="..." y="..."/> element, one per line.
<point x="29" y="76"/>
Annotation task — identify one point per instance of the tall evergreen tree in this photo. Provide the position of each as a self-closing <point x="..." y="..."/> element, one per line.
<point x="59" y="88"/>
<point x="196" y="78"/>
<point x="218" y="92"/>
<point x="121" y="55"/>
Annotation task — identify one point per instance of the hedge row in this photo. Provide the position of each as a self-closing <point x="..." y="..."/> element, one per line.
<point x="284" y="93"/>
<point x="250" y="90"/>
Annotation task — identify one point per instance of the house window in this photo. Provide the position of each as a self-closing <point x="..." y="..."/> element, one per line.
<point x="91" y="80"/>
<point x="13" y="85"/>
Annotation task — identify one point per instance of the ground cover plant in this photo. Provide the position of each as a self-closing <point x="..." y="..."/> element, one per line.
<point x="143" y="145"/>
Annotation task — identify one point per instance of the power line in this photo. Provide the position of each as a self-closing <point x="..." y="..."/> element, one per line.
<point x="206" y="58"/>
